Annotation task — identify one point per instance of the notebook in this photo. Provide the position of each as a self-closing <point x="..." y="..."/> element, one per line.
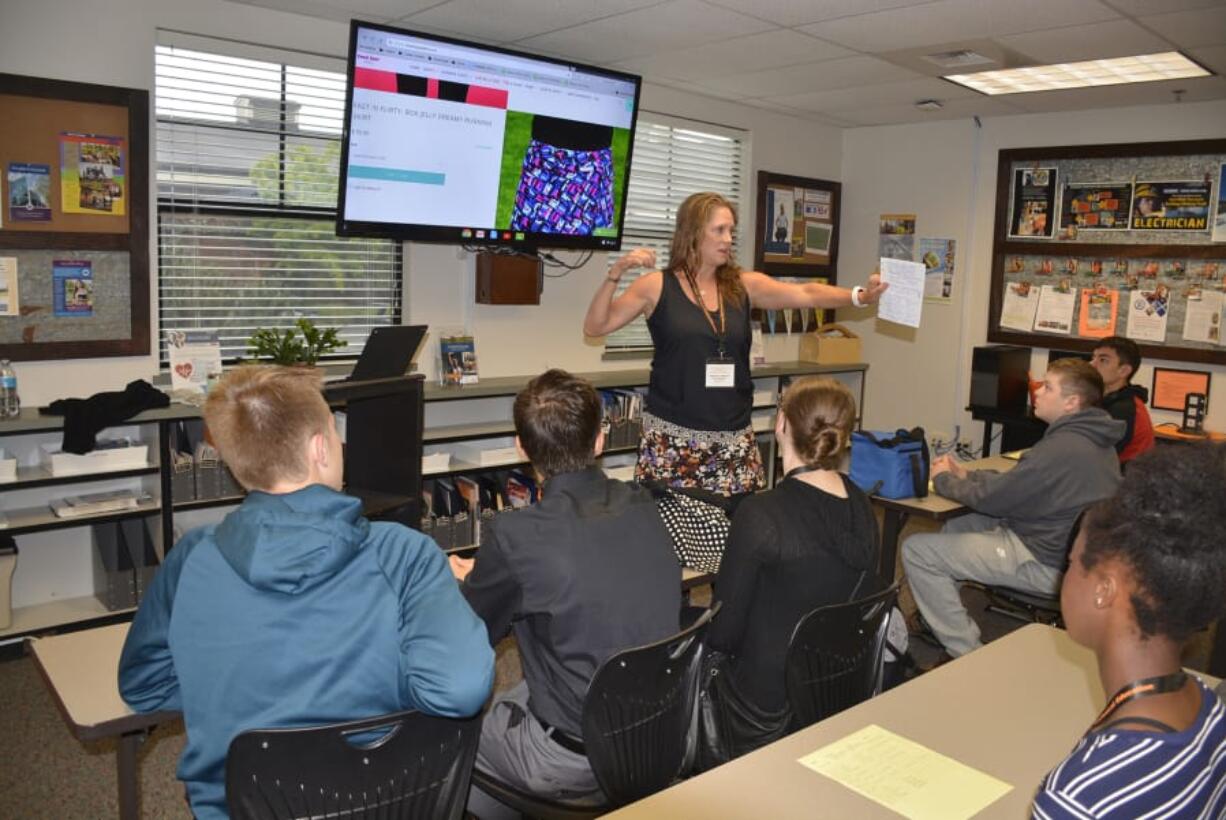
<point x="388" y="352"/>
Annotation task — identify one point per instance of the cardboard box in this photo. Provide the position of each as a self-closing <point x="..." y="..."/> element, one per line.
<point x="830" y="344"/>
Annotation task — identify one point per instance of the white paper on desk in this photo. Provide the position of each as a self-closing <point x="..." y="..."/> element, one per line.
<point x="903" y="301"/>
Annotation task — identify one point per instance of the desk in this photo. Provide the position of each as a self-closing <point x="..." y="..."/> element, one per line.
<point x="935" y="507"/>
<point x="1171" y="432"/>
<point x="82" y="671"/>
<point x="1012" y="709"/>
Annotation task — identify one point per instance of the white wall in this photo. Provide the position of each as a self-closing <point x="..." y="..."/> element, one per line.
<point x="945" y="172"/>
<point x="59" y="39"/>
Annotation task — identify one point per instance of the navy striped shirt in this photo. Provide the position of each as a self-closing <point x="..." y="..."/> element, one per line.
<point x="1128" y="774"/>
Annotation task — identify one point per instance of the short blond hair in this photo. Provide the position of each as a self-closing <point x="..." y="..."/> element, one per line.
<point x="260" y="418"/>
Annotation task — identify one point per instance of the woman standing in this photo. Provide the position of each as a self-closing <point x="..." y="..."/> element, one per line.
<point x="1146" y="571"/>
<point x="696" y="426"/>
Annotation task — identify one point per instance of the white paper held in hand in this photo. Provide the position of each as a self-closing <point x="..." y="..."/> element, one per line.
<point x="904" y="298"/>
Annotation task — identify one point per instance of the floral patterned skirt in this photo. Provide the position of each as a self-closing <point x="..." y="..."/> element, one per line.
<point x="727" y="462"/>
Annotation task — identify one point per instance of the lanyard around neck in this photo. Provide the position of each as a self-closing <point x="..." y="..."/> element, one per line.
<point x="1143" y="688"/>
<point x="720" y="331"/>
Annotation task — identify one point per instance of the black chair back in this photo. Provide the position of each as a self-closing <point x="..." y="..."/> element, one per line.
<point x="402" y="765"/>
<point x="834" y="657"/>
<point x="637" y="714"/>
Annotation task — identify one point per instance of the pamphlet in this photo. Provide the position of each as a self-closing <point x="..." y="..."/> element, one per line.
<point x="1203" y="320"/>
<point x="1147" y="314"/>
<point x="91" y="174"/>
<point x="1021" y="304"/>
<point x="1099" y="306"/>
<point x="903" y="300"/>
<point x="29" y="192"/>
<point x="195" y="359"/>
<point x="458" y="358"/>
<point x="9" y="302"/>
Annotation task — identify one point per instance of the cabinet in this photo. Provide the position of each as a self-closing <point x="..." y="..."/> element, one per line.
<point x="479" y="415"/>
<point x="383" y="457"/>
<point x="388" y="425"/>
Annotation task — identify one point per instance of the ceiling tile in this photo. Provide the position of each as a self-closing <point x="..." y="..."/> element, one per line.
<point x="954" y="109"/>
<point x="798" y="12"/>
<point x="842" y="99"/>
<point x="757" y="52"/>
<point x="1190" y="29"/>
<point x="506" y="20"/>
<point x="1113" y="38"/>
<point x="675" y="24"/>
<point x="947" y="20"/>
<point x="1211" y="57"/>
<point x="1118" y="96"/>
<point x="379" y="11"/>
<point x="1139" y="8"/>
<point x="823" y="76"/>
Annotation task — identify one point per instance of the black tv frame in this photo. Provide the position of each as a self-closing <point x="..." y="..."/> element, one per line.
<point x="452" y="235"/>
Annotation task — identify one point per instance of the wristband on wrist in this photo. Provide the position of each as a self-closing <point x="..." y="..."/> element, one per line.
<point x="856" y="296"/>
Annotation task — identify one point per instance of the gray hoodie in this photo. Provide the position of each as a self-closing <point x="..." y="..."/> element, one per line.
<point x="1072" y="466"/>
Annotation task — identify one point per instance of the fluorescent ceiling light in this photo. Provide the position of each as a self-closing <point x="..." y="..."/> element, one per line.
<point x="1143" y="68"/>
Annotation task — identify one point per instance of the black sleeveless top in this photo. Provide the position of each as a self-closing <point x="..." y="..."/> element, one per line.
<point x="684" y="341"/>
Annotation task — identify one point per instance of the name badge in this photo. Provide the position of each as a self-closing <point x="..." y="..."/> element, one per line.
<point x="721" y="373"/>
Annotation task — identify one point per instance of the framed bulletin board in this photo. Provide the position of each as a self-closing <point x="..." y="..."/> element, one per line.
<point x="797" y="237"/>
<point x="74" y="220"/>
<point x="1100" y="240"/>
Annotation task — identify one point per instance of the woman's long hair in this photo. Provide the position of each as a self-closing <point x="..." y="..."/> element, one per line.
<point x="820" y="413"/>
<point x="683" y="255"/>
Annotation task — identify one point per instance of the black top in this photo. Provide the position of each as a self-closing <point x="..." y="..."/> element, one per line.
<point x="586" y="573"/>
<point x="791" y="550"/>
<point x="684" y="341"/>
<point x="577" y="136"/>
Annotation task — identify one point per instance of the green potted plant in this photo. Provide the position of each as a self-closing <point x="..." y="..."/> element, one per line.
<point x="288" y="347"/>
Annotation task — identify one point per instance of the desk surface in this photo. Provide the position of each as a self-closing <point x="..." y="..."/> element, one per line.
<point x="82" y="671"/>
<point x="939" y="507"/>
<point x="1012" y="709"/>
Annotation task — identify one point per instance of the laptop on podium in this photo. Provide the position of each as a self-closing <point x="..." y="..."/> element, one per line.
<point x="388" y="352"/>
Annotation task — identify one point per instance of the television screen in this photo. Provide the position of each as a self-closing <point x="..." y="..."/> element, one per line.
<point x="449" y="141"/>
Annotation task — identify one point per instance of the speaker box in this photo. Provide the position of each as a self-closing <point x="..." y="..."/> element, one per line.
<point x="509" y="280"/>
<point x="1000" y="379"/>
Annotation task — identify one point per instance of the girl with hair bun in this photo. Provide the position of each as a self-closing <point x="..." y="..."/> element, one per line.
<point x="809" y="542"/>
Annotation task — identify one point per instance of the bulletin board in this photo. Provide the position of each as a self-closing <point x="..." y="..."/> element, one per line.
<point x="797" y="238"/>
<point x="1099" y="240"/>
<point x="74" y="221"/>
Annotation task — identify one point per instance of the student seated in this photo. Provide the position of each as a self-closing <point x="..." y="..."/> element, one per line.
<point x="1116" y="359"/>
<point x="809" y="542"/>
<point x="1017" y="535"/>
<point x="585" y="573"/>
<point x="1147" y="570"/>
<point x="295" y="610"/>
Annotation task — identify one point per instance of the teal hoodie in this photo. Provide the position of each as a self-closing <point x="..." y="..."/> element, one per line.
<point x="296" y="611"/>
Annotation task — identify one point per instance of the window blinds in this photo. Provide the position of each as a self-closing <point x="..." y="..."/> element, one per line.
<point x="248" y="153"/>
<point x="672" y="159"/>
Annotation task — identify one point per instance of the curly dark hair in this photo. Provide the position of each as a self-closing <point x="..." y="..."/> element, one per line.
<point x="1167" y="523"/>
<point x="557" y="419"/>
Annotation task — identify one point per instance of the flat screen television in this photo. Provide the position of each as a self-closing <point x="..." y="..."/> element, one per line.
<point x="451" y="141"/>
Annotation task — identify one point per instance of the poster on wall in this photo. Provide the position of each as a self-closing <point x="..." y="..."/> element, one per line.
<point x="91" y="174"/>
<point x="195" y="359"/>
<point x="72" y="287"/>
<point x="9" y="301"/>
<point x="896" y="236"/>
<point x="1095" y="206"/>
<point x="1171" y="206"/>
<point x="938" y="257"/>
<point x="1147" y="314"/>
<point x="1099" y="307"/>
<point x="29" y="192"/>
<point x="1034" y="203"/>
<point x="1021" y="304"/>
<point x="1219" y="221"/>
<point x="1203" y="317"/>
<point x="1056" y="306"/>
<point x="781" y="205"/>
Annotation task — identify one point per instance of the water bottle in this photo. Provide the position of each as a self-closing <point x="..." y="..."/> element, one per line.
<point x="10" y="404"/>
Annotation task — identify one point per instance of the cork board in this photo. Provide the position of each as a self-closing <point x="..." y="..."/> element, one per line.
<point x="1070" y="226"/>
<point x="79" y="237"/>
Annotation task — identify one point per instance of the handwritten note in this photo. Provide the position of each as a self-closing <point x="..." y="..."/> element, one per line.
<point x="904" y="776"/>
<point x="904" y="299"/>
